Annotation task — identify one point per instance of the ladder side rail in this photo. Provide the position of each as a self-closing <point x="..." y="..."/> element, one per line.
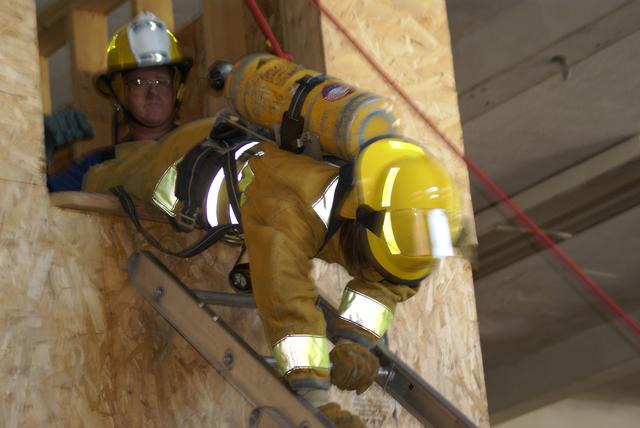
<point x="228" y="353"/>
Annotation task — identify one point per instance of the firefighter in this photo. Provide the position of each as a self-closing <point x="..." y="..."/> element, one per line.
<point x="145" y="86"/>
<point x="146" y="91"/>
<point x="387" y="217"/>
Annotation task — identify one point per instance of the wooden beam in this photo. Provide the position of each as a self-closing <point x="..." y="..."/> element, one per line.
<point x="435" y="332"/>
<point x="51" y="21"/>
<point x="295" y="25"/>
<point x="87" y="35"/>
<point x="103" y="204"/>
<point x="486" y="94"/>
<point x="196" y="95"/>
<point x="224" y="27"/>
<point x="163" y="9"/>
<point x="564" y="205"/>
<point x="548" y="127"/>
<point x="302" y="33"/>
<point x="45" y="86"/>
<point x="51" y="37"/>
<point x="486" y="51"/>
<point x="561" y="183"/>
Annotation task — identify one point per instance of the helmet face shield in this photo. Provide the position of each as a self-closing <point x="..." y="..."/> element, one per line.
<point x="412" y="232"/>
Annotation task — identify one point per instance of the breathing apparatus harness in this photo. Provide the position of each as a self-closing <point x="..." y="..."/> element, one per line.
<point x="196" y="170"/>
<point x="195" y="173"/>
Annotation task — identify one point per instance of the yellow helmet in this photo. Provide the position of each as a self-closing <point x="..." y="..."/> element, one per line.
<point x="144" y="42"/>
<point x="409" y="209"/>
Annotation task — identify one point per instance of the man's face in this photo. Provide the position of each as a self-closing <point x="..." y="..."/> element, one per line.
<point x="150" y="95"/>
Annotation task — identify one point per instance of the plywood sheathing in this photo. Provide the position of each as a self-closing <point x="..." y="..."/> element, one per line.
<point x="436" y="332"/>
<point x="78" y="347"/>
<point x="21" y="155"/>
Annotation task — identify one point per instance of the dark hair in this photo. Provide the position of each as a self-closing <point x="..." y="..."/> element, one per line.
<point x="354" y="253"/>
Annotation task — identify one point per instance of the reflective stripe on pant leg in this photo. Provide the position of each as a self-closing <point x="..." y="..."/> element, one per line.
<point x="365" y="312"/>
<point x="302" y="352"/>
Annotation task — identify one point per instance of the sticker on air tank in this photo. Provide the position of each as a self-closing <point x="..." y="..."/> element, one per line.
<point x="336" y="91"/>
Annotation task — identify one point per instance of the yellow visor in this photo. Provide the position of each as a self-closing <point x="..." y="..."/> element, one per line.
<point x="413" y="232"/>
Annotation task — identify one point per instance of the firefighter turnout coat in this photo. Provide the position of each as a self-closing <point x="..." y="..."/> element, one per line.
<point x="285" y="206"/>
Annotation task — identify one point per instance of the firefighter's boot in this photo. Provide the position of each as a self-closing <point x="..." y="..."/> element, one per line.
<point x="341" y="418"/>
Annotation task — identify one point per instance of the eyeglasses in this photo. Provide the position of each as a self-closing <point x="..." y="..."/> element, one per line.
<point x="142" y="84"/>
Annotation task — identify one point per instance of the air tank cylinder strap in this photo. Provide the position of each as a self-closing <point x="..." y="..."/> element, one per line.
<point x="292" y="123"/>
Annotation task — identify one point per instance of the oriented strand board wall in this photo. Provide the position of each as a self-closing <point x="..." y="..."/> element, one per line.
<point x="78" y="347"/>
<point x="437" y="331"/>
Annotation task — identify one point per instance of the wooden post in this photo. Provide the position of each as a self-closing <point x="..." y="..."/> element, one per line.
<point x="435" y="332"/>
<point x="87" y="39"/>
<point x="224" y="27"/>
<point x="45" y="85"/>
<point x="230" y="32"/>
<point x="295" y="25"/>
<point x="163" y="9"/>
<point x="301" y="33"/>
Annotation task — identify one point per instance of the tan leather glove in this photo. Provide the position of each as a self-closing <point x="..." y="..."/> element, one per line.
<point x="354" y="367"/>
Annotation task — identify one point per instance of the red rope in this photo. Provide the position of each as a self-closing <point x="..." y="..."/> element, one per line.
<point x="266" y="30"/>
<point x="524" y="218"/>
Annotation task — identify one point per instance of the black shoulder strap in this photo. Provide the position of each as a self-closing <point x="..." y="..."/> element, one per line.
<point x="198" y="167"/>
<point x="231" y="182"/>
<point x="212" y="235"/>
<point x="345" y="184"/>
<point x="195" y="172"/>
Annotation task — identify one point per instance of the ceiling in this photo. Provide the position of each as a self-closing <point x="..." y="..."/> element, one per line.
<point x="548" y="98"/>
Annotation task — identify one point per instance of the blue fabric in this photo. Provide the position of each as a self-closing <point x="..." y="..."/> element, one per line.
<point x="65" y="127"/>
<point x="71" y="178"/>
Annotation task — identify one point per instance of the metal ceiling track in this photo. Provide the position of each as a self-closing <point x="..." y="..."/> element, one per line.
<point x="564" y="205"/>
<point x="189" y="312"/>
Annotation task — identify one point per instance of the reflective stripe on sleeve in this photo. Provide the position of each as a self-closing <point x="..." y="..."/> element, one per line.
<point x="365" y="312"/>
<point x="246" y="178"/>
<point x="164" y="193"/>
<point x="323" y="205"/>
<point x="302" y="352"/>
